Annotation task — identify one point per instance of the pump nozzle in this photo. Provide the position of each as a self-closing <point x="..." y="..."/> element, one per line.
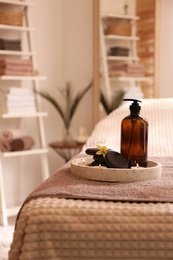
<point x="134" y="107"/>
<point x="132" y="99"/>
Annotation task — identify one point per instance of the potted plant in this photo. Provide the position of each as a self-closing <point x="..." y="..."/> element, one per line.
<point x="71" y="103"/>
<point x="112" y="104"/>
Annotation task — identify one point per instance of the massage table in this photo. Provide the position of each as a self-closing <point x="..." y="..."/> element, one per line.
<point x="71" y="218"/>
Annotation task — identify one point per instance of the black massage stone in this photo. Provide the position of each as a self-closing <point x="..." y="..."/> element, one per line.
<point x="97" y="163"/>
<point x="99" y="158"/>
<point x="91" y="151"/>
<point x="115" y="160"/>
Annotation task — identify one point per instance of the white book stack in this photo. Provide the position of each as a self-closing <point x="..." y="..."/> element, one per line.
<point x="17" y="100"/>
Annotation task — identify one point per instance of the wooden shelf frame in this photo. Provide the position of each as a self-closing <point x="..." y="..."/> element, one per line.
<point x="24" y="153"/>
<point x="35" y="79"/>
<point x="38" y="78"/>
<point x="122" y="58"/>
<point x="21" y="115"/>
<point x="139" y="79"/>
<point x="16" y="28"/>
<point x="19" y="3"/>
<point x="120" y="37"/>
<point x="105" y="15"/>
<point x="96" y="51"/>
<point x="16" y="53"/>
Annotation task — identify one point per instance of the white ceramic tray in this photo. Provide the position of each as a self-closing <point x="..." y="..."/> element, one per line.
<point x="80" y="169"/>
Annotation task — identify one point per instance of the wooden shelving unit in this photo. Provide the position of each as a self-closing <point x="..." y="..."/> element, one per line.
<point x="146" y="40"/>
<point x="106" y="58"/>
<point x="38" y="115"/>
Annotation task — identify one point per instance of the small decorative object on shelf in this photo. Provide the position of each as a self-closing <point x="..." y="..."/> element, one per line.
<point x="71" y="104"/>
<point x="82" y="135"/>
<point x="10" y="44"/>
<point x="11" y="18"/>
<point x="118" y="27"/>
<point x="119" y="51"/>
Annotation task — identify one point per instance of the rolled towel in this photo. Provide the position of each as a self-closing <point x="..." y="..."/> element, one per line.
<point x="10" y="134"/>
<point x="4" y="146"/>
<point x="22" y="143"/>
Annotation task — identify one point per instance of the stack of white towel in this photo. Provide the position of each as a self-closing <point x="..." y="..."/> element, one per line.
<point x="17" y="100"/>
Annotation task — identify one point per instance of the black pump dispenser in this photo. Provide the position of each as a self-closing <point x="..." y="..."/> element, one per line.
<point x="134" y="107"/>
<point x="134" y="136"/>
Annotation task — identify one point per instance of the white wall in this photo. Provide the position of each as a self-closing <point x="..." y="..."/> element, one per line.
<point x="117" y="6"/>
<point x="64" y="48"/>
<point x="47" y="18"/>
<point x="77" y="43"/>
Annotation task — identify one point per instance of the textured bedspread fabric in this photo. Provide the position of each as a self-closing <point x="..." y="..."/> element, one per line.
<point x="61" y="229"/>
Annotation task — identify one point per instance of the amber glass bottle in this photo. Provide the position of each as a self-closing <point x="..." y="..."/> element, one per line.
<point x="134" y="136"/>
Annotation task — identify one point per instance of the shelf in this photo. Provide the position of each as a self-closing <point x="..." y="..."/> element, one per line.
<point x="22" y="77"/>
<point x="120" y="16"/>
<point x="16" y="28"/>
<point x="27" y="152"/>
<point x="120" y="37"/>
<point x="20" y="3"/>
<point x="40" y="114"/>
<point x="122" y="58"/>
<point x="129" y="79"/>
<point x="20" y="53"/>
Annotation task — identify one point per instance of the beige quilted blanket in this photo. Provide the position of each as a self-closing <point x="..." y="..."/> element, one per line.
<point x="67" y="229"/>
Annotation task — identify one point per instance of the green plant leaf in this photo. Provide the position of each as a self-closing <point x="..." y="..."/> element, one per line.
<point x="78" y="99"/>
<point x="53" y="102"/>
<point x="114" y="103"/>
<point x="71" y="104"/>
